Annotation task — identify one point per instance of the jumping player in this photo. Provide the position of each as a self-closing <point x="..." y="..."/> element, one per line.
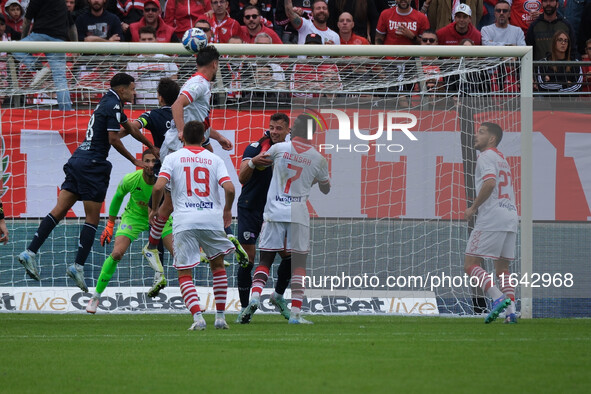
<point x="495" y="231"/>
<point x="191" y="104"/>
<point x="297" y="166"/>
<point x="194" y="175"/>
<point x="87" y="176"/>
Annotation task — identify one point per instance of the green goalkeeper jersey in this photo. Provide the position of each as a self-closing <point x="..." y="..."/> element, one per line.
<point x="139" y="195"/>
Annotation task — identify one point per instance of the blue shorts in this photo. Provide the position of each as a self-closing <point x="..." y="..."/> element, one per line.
<point x="89" y="179"/>
<point x="249" y="225"/>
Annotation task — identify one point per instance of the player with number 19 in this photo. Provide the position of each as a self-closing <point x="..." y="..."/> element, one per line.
<point x="194" y="176"/>
<point x="87" y="176"/>
<point x="495" y="231"/>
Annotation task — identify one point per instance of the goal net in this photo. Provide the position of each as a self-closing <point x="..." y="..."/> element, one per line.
<point x="395" y="124"/>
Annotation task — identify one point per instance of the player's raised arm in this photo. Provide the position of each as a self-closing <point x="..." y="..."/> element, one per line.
<point x="133" y="129"/>
<point x="178" y="113"/>
<point x="116" y="143"/>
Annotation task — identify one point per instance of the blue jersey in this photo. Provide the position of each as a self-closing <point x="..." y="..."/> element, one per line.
<point x="106" y="118"/>
<point x="254" y="192"/>
<point x="158" y="122"/>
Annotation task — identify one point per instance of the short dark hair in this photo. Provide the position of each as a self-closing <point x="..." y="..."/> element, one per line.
<point x="276" y="117"/>
<point x="147" y="30"/>
<point x="193" y="132"/>
<point x="503" y="2"/>
<point x="169" y="90"/>
<point x="251" y="7"/>
<point x="121" y="79"/>
<point x="318" y="1"/>
<point x="147" y="152"/>
<point x="495" y="130"/>
<point x="207" y="55"/>
<point x="300" y="126"/>
<point x="203" y="21"/>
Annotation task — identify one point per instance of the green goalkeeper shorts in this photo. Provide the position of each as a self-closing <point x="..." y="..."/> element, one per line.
<point x="132" y="226"/>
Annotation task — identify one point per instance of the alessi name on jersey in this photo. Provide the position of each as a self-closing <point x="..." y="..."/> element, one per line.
<point x="196" y="159"/>
<point x="297" y="158"/>
<point x="199" y="205"/>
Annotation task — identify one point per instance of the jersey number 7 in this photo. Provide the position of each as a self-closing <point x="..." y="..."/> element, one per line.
<point x="298" y="171"/>
<point x="200" y="177"/>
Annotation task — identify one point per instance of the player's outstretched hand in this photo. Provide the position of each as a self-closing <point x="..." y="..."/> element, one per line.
<point x="140" y="164"/>
<point x="107" y="234"/>
<point x="156" y="151"/>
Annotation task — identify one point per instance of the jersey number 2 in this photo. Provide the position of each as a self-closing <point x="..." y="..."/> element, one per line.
<point x="200" y="176"/>
<point x="505" y="180"/>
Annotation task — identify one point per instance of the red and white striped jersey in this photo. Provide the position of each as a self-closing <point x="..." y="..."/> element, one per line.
<point x="194" y="175"/>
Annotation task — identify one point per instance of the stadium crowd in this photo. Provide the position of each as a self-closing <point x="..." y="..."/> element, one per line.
<point x="337" y="22"/>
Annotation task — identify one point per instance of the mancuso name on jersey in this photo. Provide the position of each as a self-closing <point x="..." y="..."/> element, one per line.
<point x="106" y="118"/>
<point x="295" y="166"/>
<point x="194" y="175"/>
<point x="498" y="212"/>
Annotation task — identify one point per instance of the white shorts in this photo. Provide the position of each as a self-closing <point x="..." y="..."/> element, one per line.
<point x="187" y="243"/>
<point x="492" y="244"/>
<point x="277" y="236"/>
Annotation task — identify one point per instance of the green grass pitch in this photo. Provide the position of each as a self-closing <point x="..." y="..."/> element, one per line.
<point x="156" y="354"/>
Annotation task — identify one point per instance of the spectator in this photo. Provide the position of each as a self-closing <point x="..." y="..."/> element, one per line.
<point x="542" y="30"/>
<point x="204" y="25"/>
<point x="460" y="29"/>
<point x="587" y="69"/>
<point x="233" y="72"/>
<point x="282" y="25"/>
<point x="98" y="24"/>
<point x="270" y="77"/>
<point x="128" y="12"/>
<point x="501" y="32"/>
<point x="15" y="15"/>
<point x="75" y="8"/>
<point x="524" y="12"/>
<point x="556" y="77"/>
<point x="317" y="26"/>
<point x="346" y="31"/>
<point x="148" y="74"/>
<point x="183" y="14"/>
<point x="573" y="11"/>
<point x="253" y="26"/>
<point x="442" y="12"/>
<point x="400" y="25"/>
<point x="7" y="33"/>
<point x="308" y="77"/>
<point x="152" y="18"/>
<point x="223" y="26"/>
<point x="429" y="67"/>
<point x="51" y="24"/>
<point x="265" y="6"/>
<point x="585" y="29"/>
<point x="363" y="13"/>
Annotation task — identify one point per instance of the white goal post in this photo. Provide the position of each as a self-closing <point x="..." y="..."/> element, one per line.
<point x="378" y="78"/>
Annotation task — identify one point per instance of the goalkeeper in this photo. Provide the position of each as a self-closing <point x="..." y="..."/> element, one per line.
<point x="134" y="221"/>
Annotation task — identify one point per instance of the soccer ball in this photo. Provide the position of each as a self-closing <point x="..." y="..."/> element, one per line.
<point x="194" y="40"/>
